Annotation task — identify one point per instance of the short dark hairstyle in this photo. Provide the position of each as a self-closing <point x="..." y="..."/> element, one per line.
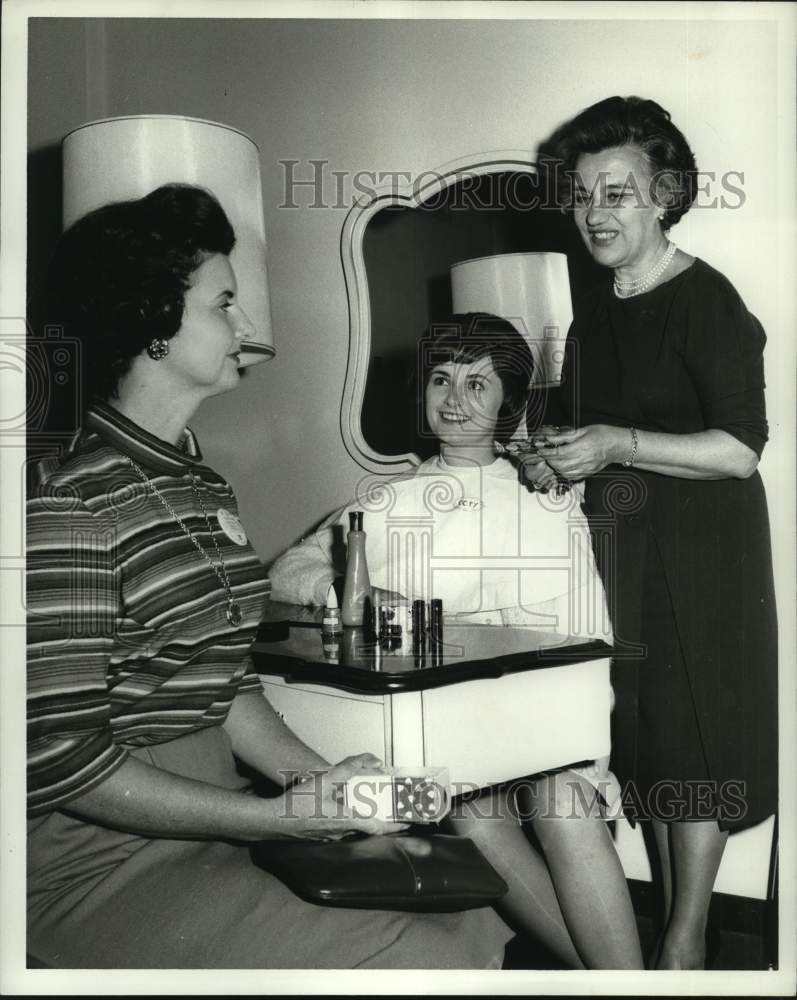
<point x="462" y="338"/>
<point x="119" y="276"/>
<point x="626" y="121"/>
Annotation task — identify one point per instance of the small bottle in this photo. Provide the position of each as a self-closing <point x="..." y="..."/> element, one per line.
<point x="436" y="632"/>
<point x="436" y="620"/>
<point x="331" y="647"/>
<point x="357" y="584"/>
<point x="418" y="621"/>
<point x="331" y="623"/>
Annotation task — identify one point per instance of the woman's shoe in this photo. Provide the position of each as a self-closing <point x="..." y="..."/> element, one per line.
<point x="713" y="945"/>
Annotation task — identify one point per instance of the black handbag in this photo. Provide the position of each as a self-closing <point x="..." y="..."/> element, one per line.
<point x="438" y="873"/>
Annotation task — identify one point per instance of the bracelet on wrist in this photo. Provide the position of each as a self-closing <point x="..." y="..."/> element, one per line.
<point x="634" y="445"/>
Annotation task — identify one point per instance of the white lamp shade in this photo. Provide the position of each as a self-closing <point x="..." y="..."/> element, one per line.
<point x="532" y="291"/>
<point x="121" y="158"/>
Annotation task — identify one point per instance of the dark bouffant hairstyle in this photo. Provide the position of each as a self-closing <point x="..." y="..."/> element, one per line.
<point x="626" y="121"/>
<point x="119" y="276"/>
<point x="463" y="338"/>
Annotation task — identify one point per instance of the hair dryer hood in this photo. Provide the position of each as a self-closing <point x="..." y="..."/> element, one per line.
<point x="532" y="291"/>
<point x="121" y="158"/>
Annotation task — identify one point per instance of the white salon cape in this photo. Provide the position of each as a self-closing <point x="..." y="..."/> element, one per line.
<point x="494" y="551"/>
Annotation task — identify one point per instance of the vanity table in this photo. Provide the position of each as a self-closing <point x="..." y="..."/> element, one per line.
<point x="490" y="703"/>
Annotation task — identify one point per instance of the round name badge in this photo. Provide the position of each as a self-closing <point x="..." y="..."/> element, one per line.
<point x="470" y="503"/>
<point x="231" y="526"/>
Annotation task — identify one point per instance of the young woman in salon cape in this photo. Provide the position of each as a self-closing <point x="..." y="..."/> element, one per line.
<point x="462" y="528"/>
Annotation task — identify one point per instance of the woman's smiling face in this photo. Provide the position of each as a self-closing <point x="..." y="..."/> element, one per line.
<point x="462" y="402"/>
<point x="613" y="208"/>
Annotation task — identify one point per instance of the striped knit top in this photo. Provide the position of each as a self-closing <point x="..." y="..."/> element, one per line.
<point x="128" y="640"/>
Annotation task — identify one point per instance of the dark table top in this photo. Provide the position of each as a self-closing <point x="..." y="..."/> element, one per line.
<point x="290" y="644"/>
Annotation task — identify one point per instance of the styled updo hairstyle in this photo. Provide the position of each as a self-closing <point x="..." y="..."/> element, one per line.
<point x="625" y="121"/>
<point x="119" y="276"/>
<point x="463" y="338"/>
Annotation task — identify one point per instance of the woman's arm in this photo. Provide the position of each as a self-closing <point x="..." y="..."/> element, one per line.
<point x="146" y="800"/>
<point x="710" y="454"/>
<point x="721" y="347"/>
<point x="261" y="739"/>
<point x="303" y="574"/>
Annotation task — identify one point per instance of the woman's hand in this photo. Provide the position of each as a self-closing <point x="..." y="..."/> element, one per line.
<point x="315" y="809"/>
<point x="533" y="470"/>
<point x="576" y="454"/>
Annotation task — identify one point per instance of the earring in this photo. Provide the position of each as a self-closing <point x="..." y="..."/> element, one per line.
<point x="158" y="349"/>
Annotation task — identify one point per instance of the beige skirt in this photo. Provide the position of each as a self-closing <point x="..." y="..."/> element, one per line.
<point x="99" y="898"/>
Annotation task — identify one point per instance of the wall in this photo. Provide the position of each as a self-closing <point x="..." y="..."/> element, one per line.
<point x="410" y="96"/>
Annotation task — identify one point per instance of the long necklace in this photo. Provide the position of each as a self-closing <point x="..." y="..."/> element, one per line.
<point x="625" y="289"/>
<point x="234" y="616"/>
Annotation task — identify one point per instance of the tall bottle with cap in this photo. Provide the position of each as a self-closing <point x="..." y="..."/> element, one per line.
<point x="356" y="584"/>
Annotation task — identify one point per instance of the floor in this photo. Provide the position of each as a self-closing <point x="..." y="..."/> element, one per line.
<point x="742" y="934"/>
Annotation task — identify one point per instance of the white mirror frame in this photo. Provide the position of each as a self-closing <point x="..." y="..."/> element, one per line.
<point x="430" y="183"/>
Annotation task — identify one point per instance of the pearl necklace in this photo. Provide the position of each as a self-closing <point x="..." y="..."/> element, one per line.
<point x="625" y="289"/>
<point x="234" y="616"/>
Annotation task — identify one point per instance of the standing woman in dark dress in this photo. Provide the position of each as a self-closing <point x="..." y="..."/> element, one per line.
<point x="663" y="384"/>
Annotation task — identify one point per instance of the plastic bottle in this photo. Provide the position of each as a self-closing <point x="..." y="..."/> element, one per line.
<point x="356" y="585"/>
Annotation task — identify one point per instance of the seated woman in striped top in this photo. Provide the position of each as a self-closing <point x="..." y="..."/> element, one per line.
<point x="144" y="598"/>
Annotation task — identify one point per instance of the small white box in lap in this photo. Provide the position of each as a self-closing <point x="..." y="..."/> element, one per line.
<point x="401" y="795"/>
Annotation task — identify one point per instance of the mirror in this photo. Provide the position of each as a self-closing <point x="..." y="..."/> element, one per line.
<point x="398" y="247"/>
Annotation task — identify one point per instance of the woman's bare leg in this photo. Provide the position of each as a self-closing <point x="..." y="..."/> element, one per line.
<point x="695" y="854"/>
<point x="531" y="902"/>
<point x="586" y="871"/>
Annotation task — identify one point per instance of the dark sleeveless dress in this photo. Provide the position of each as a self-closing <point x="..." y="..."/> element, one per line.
<point x="686" y="562"/>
